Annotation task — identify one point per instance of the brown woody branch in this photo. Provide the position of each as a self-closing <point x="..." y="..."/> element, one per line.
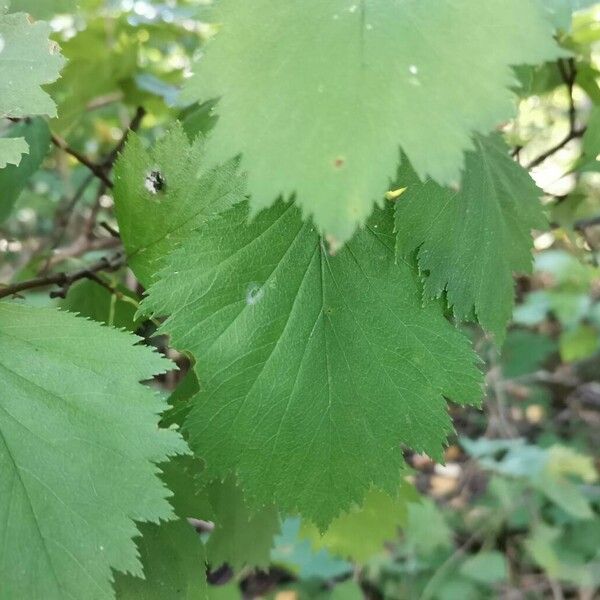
<point x="98" y="170"/>
<point x="568" y="71"/>
<point x="65" y="280"/>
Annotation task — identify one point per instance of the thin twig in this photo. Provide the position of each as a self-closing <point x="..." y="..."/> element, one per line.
<point x="140" y="113"/>
<point x="97" y="170"/>
<point x="572" y="135"/>
<point x="65" y="280"/>
<point x="568" y="71"/>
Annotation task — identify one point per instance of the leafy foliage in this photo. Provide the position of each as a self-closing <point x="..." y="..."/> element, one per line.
<point x="471" y="241"/>
<point x="353" y="81"/>
<point x="264" y="302"/>
<point x="320" y="345"/>
<point x="79" y="449"/>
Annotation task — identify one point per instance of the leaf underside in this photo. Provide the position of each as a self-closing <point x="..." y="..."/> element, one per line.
<point x="313" y="369"/>
<point x="319" y="96"/>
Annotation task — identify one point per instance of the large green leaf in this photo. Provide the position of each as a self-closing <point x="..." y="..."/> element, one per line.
<point x="471" y="241"/>
<point x="319" y="95"/>
<point x="34" y="136"/>
<point x="313" y="369"/>
<point x="162" y="193"/>
<point x="78" y="446"/>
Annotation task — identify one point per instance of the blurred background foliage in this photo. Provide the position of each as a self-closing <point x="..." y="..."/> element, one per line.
<point x="515" y="510"/>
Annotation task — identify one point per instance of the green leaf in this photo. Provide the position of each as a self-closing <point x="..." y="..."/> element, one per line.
<point x="361" y="533"/>
<point x="101" y="59"/>
<point x="470" y="241"/>
<point x="579" y="343"/>
<point x="281" y="333"/>
<point x="28" y="59"/>
<point x="11" y="152"/>
<point x="524" y="352"/>
<point x="35" y="135"/>
<point x="79" y="444"/>
<point x="545" y="548"/>
<point x="172" y="553"/>
<point x="319" y="96"/>
<point x="485" y="567"/>
<point x="296" y="555"/>
<point x="241" y="536"/>
<point x="161" y="194"/>
<point x="426" y="528"/>
<point x="92" y="300"/>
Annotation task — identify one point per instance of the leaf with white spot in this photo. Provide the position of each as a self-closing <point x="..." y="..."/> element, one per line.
<point x="313" y="369"/>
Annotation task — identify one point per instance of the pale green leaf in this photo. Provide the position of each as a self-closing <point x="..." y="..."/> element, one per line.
<point x="579" y="343"/>
<point x="485" y="567"/>
<point x="28" y="59"/>
<point x="313" y="369"/>
<point x="361" y="533"/>
<point x="426" y="528"/>
<point x="12" y="151"/>
<point x="319" y="96"/>
<point x="471" y="241"/>
<point x="162" y="193"/>
<point x="79" y="444"/>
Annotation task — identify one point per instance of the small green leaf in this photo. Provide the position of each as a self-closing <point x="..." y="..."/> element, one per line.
<point x="361" y="533"/>
<point x="35" y="136"/>
<point x="471" y="241"/>
<point x="11" y="153"/>
<point x="172" y="553"/>
<point x="524" y="352"/>
<point x="241" y="536"/>
<point x="485" y="567"/>
<point x="579" y="343"/>
<point x="162" y="193"/>
<point x="426" y="528"/>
